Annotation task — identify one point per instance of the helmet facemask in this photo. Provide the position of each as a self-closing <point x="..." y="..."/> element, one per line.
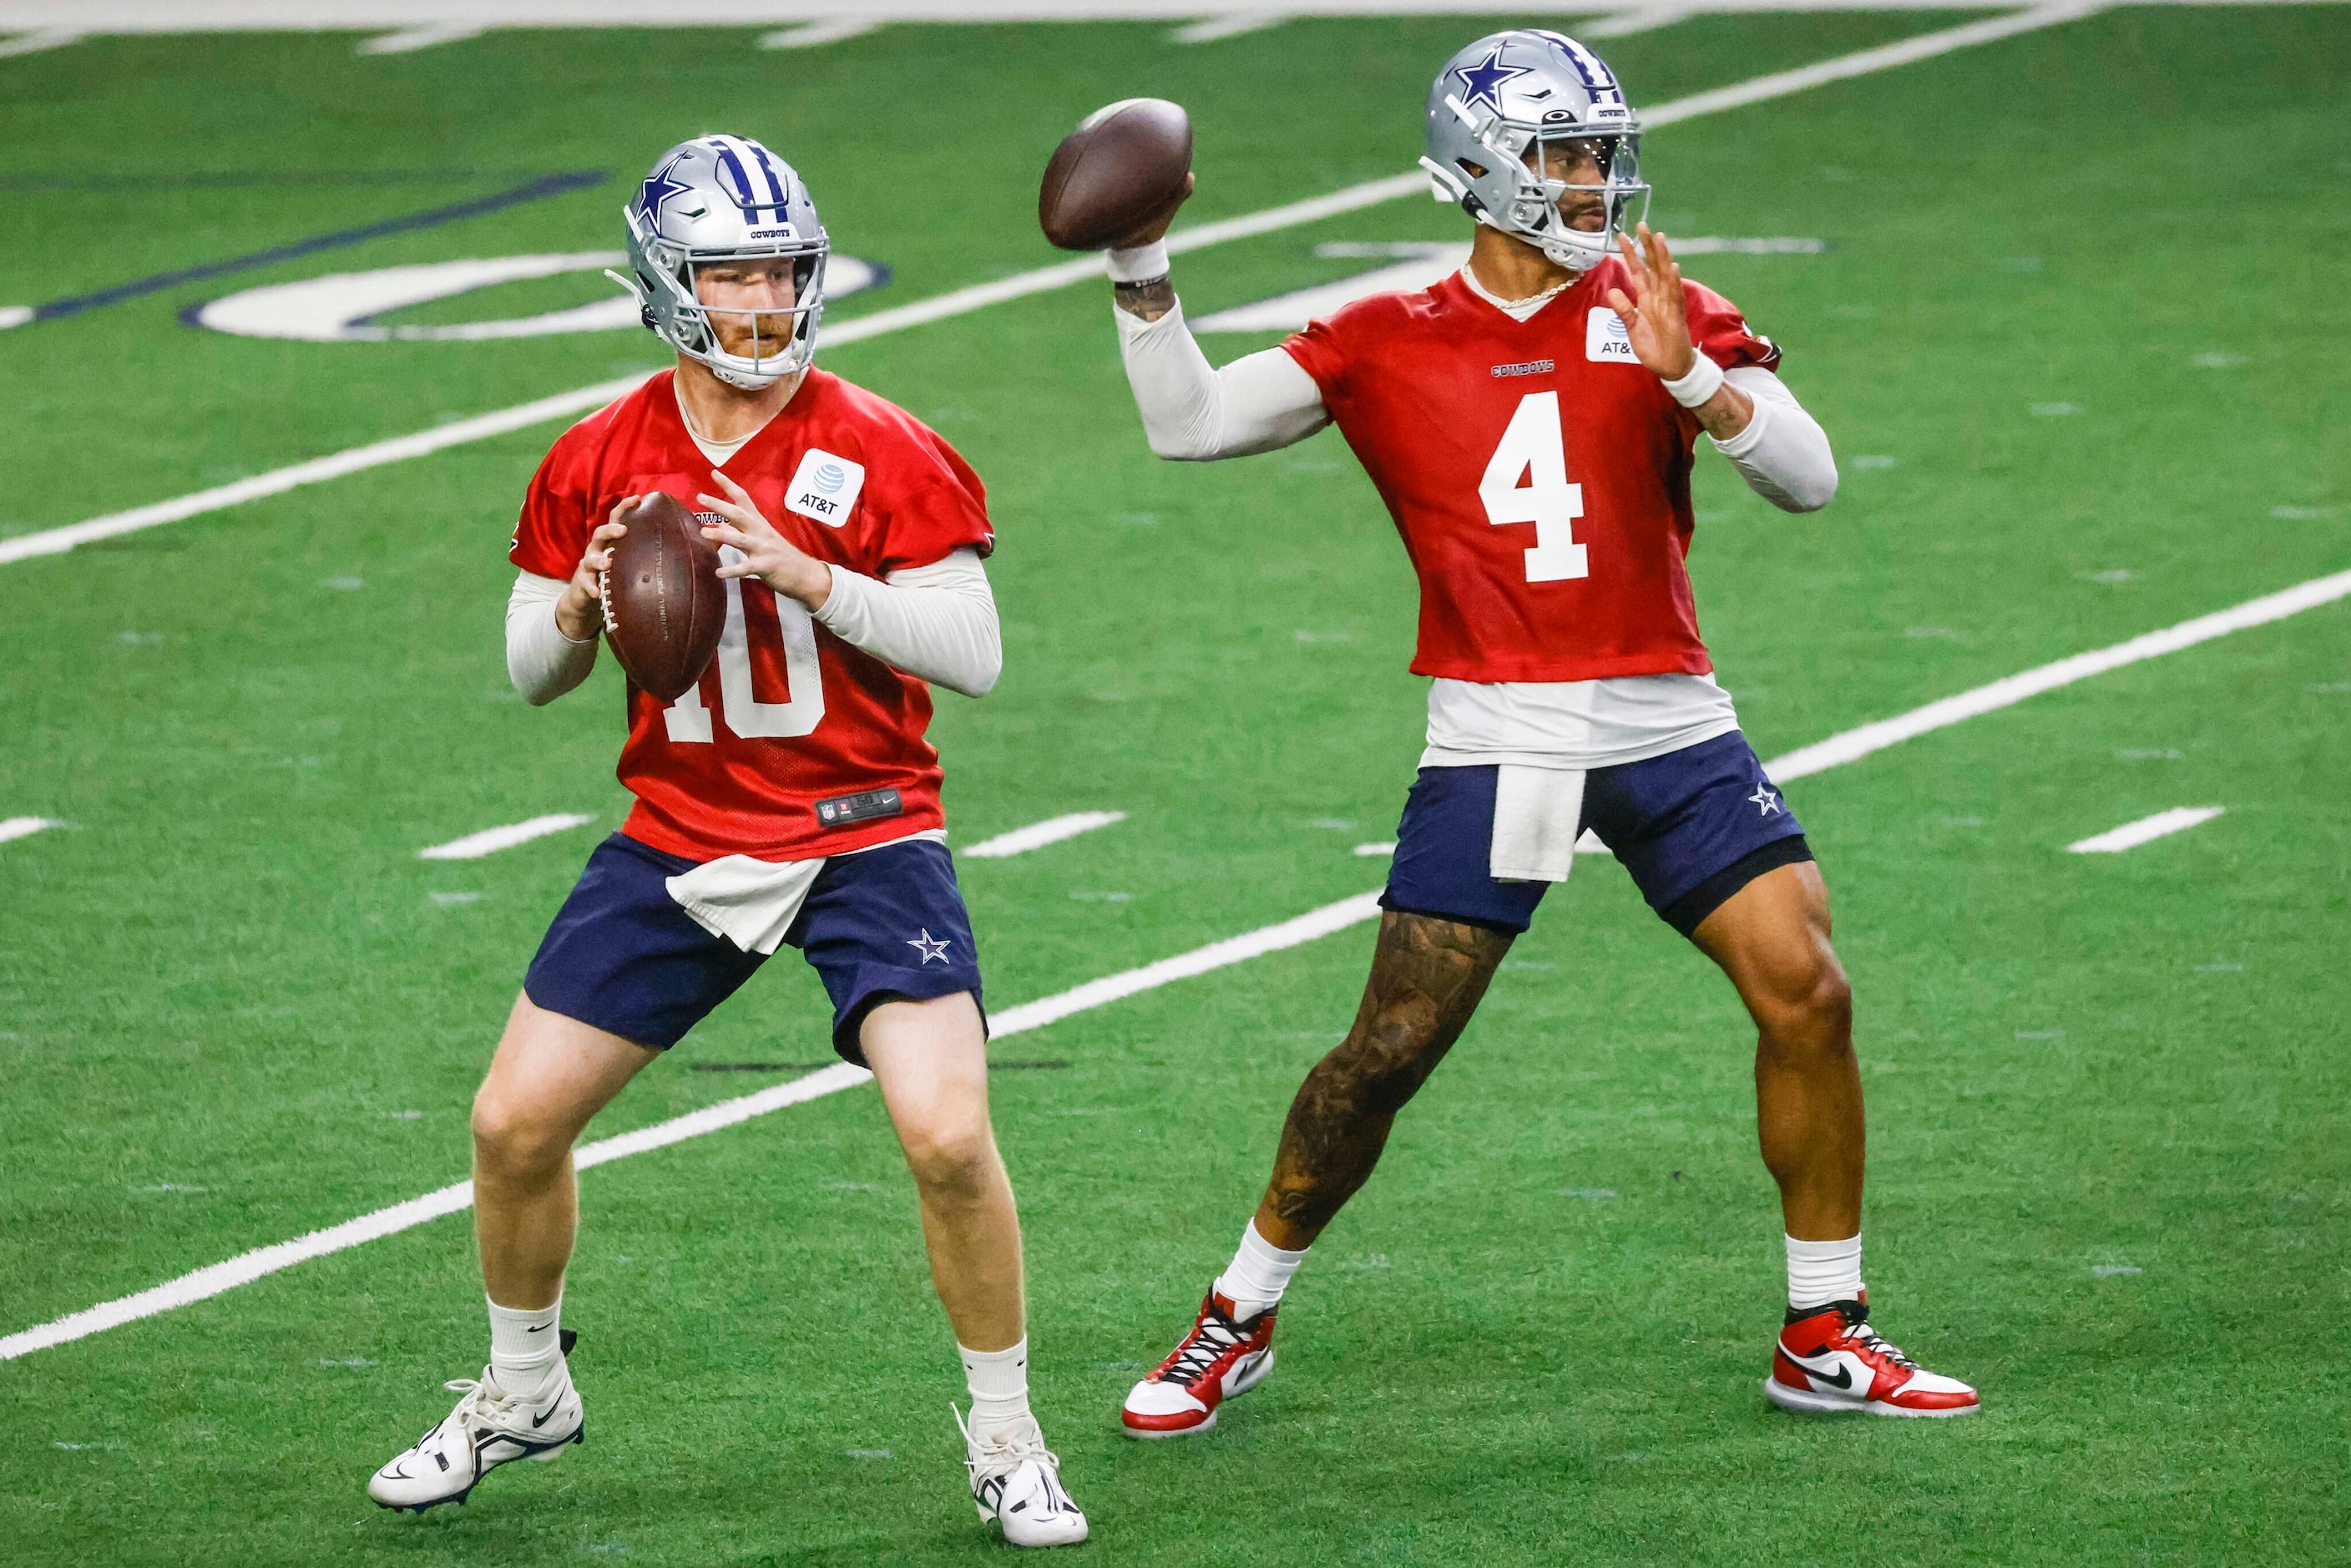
<point x="1561" y="178"/>
<point x="783" y="337"/>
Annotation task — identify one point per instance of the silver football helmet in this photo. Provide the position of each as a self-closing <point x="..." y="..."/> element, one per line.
<point x="1497" y="111"/>
<point x="725" y="198"/>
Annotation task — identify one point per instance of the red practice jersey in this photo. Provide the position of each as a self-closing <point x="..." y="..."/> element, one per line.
<point x="1539" y="474"/>
<point x="788" y="715"/>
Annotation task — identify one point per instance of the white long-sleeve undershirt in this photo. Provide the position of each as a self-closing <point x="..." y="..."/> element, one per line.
<point x="936" y="622"/>
<point x="1261" y="401"/>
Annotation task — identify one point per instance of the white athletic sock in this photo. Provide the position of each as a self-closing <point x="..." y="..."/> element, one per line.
<point x="527" y="1349"/>
<point x="1257" y="1274"/>
<point x="998" y="1381"/>
<point x="1819" y="1272"/>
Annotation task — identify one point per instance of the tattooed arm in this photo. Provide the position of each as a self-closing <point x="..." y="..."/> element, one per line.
<point x="1428" y="976"/>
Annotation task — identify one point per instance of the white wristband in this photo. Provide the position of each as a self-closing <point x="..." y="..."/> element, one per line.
<point x="1693" y="391"/>
<point x="1141" y="265"/>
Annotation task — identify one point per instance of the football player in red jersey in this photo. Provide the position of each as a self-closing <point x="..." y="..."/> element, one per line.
<point x="1531" y="422"/>
<point x="790" y="798"/>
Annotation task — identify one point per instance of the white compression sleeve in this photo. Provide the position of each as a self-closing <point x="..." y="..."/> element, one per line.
<point x="936" y="623"/>
<point x="1190" y="411"/>
<point x="1783" y="453"/>
<point x="541" y="661"/>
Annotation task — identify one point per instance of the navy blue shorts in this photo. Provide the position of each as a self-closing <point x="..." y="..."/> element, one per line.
<point x="1693" y="827"/>
<point x="621" y="955"/>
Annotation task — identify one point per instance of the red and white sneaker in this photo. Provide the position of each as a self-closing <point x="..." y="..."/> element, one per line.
<point x="1223" y="1356"/>
<point x="1830" y="1361"/>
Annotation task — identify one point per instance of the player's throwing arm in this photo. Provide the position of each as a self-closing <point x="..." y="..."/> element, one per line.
<point x="1566" y="372"/>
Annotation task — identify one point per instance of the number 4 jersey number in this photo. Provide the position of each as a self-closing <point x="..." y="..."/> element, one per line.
<point x="688" y="720"/>
<point x="1533" y="450"/>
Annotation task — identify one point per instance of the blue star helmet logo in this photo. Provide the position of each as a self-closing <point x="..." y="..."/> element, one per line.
<point x="659" y="188"/>
<point x="1483" y="82"/>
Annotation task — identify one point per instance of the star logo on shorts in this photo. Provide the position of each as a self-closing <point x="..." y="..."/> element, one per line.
<point x="1766" y="799"/>
<point x="930" y="947"/>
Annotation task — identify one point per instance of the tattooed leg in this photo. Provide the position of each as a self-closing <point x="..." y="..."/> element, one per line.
<point x="1428" y="976"/>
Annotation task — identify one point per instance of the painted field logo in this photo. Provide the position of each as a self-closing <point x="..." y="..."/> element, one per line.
<point x="825" y="486"/>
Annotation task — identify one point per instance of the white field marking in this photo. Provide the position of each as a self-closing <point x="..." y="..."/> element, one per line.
<point x="245" y="1267"/>
<point x="808" y="35"/>
<point x="1229" y="25"/>
<point x="490" y="840"/>
<point x="408" y="40"/>
<point x="377" y="16"/>
<point x="1374" y="852"/>
<point x="2147" y="830"/>
<point x="15" y="316"/>
<point x="340" y="306"/>
<point x="277" y="481"/>
<point x="25" y="827"/>
<point x="1637" y="19"/>
<point x="1037" y="836"/>
<point x="37" y="43"/>
<point x="1834" y="752"/>
<point x="257" y="14"/>
<point x="1854" y="743"/>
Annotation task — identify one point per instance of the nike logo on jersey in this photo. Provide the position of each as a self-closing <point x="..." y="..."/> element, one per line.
<point x="825" y="486"/>
<point x="1606" y="339"/>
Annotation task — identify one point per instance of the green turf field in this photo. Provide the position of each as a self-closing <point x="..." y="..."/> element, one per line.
<point x="2112" y="1171"/>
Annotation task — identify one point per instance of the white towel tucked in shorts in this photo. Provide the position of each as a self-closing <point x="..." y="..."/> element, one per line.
<point x="1535" y="814"/>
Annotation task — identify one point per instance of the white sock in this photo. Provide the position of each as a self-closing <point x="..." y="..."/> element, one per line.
<point x="1257" y="1274"/>
<point x="1819" y="1272"/>
<point x="527" y="1349"/>
<point x="998" y="1381"/>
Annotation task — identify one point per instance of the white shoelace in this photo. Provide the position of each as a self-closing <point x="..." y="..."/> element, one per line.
<point x="997" y="1456"/>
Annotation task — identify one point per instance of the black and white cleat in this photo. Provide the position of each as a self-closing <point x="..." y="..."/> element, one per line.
<point x="489" y="1428"/>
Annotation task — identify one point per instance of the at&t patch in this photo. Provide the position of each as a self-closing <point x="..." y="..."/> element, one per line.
<point x="825" y="486"/>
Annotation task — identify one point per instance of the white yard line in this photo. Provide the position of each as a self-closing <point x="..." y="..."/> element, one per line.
<point x="388" y="16"/>
<point x="2147" y="830"/>
<point x="245" y="1267"/>
<point x="958" y="302"/>
<point x="243" y="1270"/>
<point x="1037" y="836"/>
<point x="25" y="827"/>
<point x="490" y="840"/>
<point x="1854" y="743"/>
<point x="1834" y="752"/>
<point x="277" y="481"/>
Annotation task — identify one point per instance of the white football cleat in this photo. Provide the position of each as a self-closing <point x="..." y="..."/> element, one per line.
<point x="489" y="1428"/>
<point x="1015" y="1481"/>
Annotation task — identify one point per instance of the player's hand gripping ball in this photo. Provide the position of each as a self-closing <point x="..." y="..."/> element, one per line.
<point x="663" y="604"/>
<point x="1125" y="166"/>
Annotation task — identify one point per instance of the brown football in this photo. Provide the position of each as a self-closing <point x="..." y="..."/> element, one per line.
<point x="1123" y="166"/>
<point x="664" y="603"/>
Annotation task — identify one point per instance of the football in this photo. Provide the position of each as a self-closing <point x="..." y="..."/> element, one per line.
<point x="1123" y="166"/>
<point x="664" y="605"/>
